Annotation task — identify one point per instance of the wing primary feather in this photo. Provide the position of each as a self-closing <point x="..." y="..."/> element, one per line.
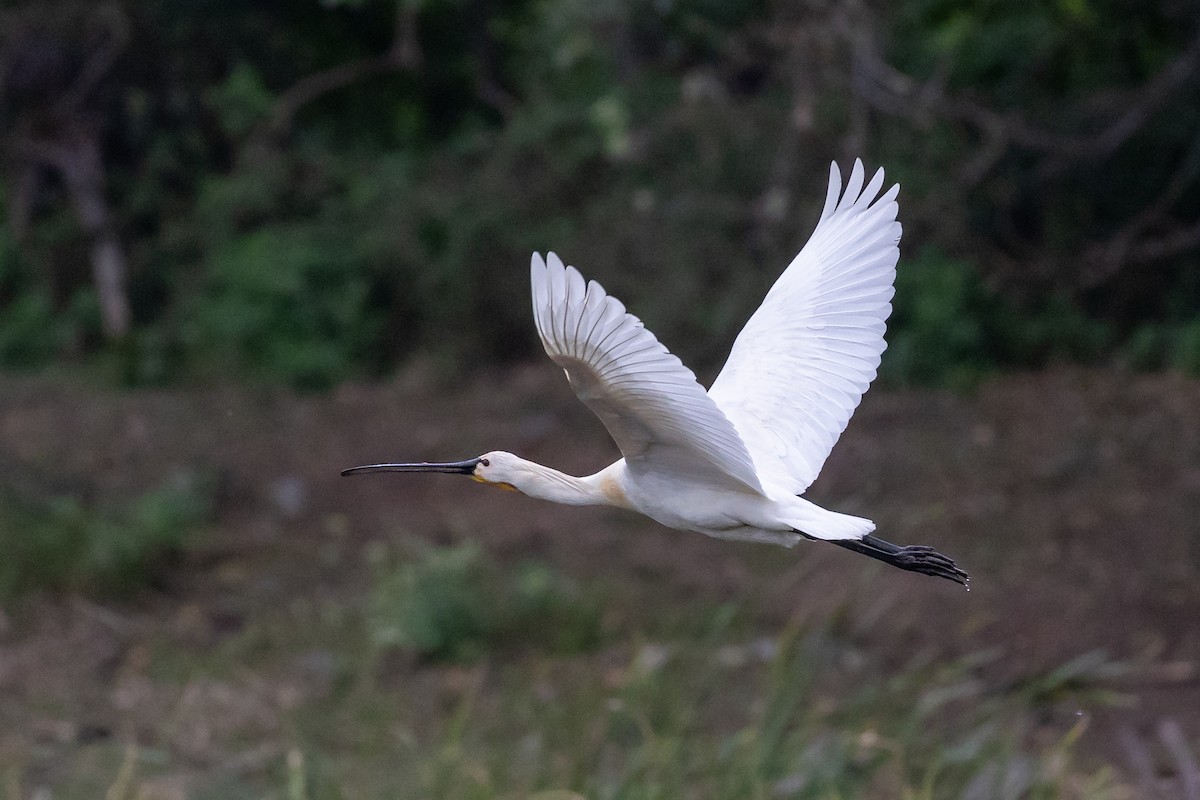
<point x="558" y="306"/>
<point x="537" y="278"/>
<point x="576" y="289"/>
<point x="596" y="309"/>
<point x="854" y="188"/>
<point x="874" y="186"/>
<point x="552" y="304"/>
<point x="831" y="195"/>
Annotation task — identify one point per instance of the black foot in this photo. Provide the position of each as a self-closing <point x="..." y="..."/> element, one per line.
<point x="914" y="557"/>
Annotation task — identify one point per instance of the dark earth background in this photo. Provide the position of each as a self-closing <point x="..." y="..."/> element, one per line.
<point x="1071" y="495"/>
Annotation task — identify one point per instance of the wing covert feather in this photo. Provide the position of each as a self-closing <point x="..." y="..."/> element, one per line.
<point x="651" y="404"/>
<point x="800" y="366"/>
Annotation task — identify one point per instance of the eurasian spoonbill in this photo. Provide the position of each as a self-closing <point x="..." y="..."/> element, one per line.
<point x="734" y="461"/>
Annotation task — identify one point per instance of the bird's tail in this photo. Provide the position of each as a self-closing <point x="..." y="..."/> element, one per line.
<point x="815" y="522"/>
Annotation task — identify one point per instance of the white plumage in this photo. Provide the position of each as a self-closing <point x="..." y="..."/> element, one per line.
<point x="732" y="461"/>
<point x="660" y="417"/>
<point x="801" y="365"/>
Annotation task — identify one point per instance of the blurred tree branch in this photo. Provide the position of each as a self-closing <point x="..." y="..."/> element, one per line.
<point x="403" y="54"/>
<point x="53" y="125"/>
<point x="1094" y="129"/>
<point x="1118" y="115"/>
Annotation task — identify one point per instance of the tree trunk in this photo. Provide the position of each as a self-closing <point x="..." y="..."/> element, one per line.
<point x="83" y="173"/>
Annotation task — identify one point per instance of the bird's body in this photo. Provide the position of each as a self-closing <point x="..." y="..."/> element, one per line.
<point x="723" y="512"/>
<point x="731" y="462"/>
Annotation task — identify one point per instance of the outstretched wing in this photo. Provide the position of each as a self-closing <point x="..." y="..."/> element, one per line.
<point x="659" y="416"/>
<point x="800" y="366"/>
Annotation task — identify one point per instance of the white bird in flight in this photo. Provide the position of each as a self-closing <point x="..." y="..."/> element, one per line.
<point x="734" y="461"/>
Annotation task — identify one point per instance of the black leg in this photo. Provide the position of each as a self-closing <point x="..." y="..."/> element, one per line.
<point x="915" y="557"/>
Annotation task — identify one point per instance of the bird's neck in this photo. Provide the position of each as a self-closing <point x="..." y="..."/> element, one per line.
<point x="602" y="489"/>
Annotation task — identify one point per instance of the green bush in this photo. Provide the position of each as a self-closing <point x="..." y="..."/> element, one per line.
<point x="676" y="150"/>
<point x="33" y="332"/>
<point x="1185" y="348"/>
<point x="451" y="603"/>
<point x="937" y="331"/>
<point x="281" y="301"/>
<point x="948" y="329"/>
<point x="65" y="543"/>
<point x="435" y="606"/>
<point x="802" y="715"/>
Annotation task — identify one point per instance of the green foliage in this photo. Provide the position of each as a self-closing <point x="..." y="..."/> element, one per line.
<point x="280" y="301"/>
<point x="1086" y="679"/>
<point x="241" y="101"/>
<point x="1053" y="86"/>
<point x="938" y="333"/>
<point x="1157" y="345"/>
<point x="452" y="604"/>
<point x="1185" y="349"/>
<point x="27" y="331"/>
<point x="948" y="329"/>
<point x="290" y="223"/>
<point x="33" y="332"/>
<point x="796" y="715"/>
<point x="790" y="717"/>
<point x="1146" y="348"/>
<point x="435" y="606"/>
<point x="545" y="609"/>
<point x="67" y="544"/>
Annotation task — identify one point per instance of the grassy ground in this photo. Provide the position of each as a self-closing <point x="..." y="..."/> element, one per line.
<point x="313" y="637"/>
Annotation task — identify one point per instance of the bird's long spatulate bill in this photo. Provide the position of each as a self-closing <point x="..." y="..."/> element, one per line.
<point x="453" y="467"/>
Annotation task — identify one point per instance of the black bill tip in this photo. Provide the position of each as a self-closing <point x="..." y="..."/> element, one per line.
<point x="450" y="467"/>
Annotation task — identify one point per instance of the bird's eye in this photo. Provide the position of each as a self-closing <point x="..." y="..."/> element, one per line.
<point x="485" y="462"/>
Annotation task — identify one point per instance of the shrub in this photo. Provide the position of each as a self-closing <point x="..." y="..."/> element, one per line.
<point x="67" y="544"/>
<point x="947" y="329"/>
<point x="451" y="603"/>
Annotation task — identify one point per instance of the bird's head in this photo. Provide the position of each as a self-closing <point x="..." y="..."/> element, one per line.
<point x="497" y="468"/>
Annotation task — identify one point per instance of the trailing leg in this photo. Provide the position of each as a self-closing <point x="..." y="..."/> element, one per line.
<point x="915" y="557"/>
